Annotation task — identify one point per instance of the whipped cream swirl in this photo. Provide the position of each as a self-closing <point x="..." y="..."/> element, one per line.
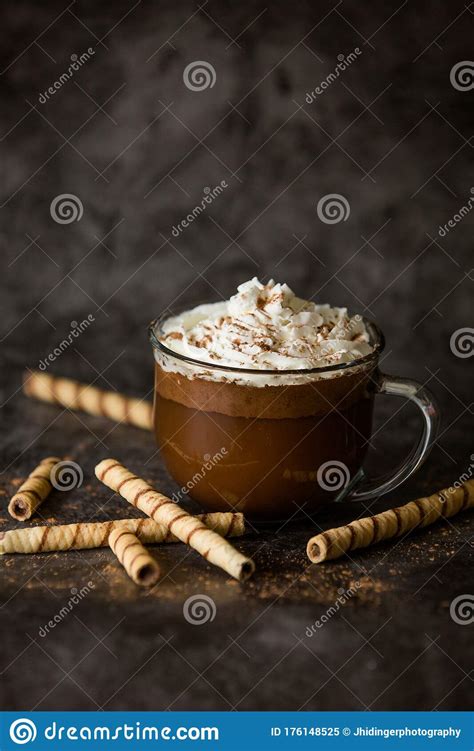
<point x="266" y="327"/>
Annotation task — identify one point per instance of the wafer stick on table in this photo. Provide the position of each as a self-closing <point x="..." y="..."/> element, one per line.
<point x="141" y="567"/>
<point x="390" y="524"/>
<point x="79" y="396"/>
<point x="163" y="510"/>
<point x="33" y="491"/>
<point x="44" y="539"/>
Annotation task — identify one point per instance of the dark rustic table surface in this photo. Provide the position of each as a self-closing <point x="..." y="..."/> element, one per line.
<point x="137" y="148"/>
<point x="391" y="643"/>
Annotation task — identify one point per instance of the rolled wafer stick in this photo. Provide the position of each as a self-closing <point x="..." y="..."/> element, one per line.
<point x="80" y="396"/>
<point x="141" y="567"/>
<point x="80" y="536"/>
<point x="163" y="510"/>
<point x="392" y="523"/>
<point x="33" y="491"/>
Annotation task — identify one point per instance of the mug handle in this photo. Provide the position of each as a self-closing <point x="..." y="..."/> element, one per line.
<point x="362" y="488"/>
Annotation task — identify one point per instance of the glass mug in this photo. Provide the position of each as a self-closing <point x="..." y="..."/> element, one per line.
<point x="272" y="450"/>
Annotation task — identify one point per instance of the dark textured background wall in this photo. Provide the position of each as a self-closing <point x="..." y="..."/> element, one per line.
<point x="138" y="147"/>
<point x="393" y="135"/>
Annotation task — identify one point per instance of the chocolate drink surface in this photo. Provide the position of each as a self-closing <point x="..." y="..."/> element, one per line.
<point x="260" y="451"/>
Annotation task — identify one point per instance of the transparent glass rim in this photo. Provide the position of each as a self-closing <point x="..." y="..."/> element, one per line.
<point x="376" y="339"/>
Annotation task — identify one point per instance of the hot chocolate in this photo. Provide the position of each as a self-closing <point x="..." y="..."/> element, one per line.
<point x="276" y="387"/>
